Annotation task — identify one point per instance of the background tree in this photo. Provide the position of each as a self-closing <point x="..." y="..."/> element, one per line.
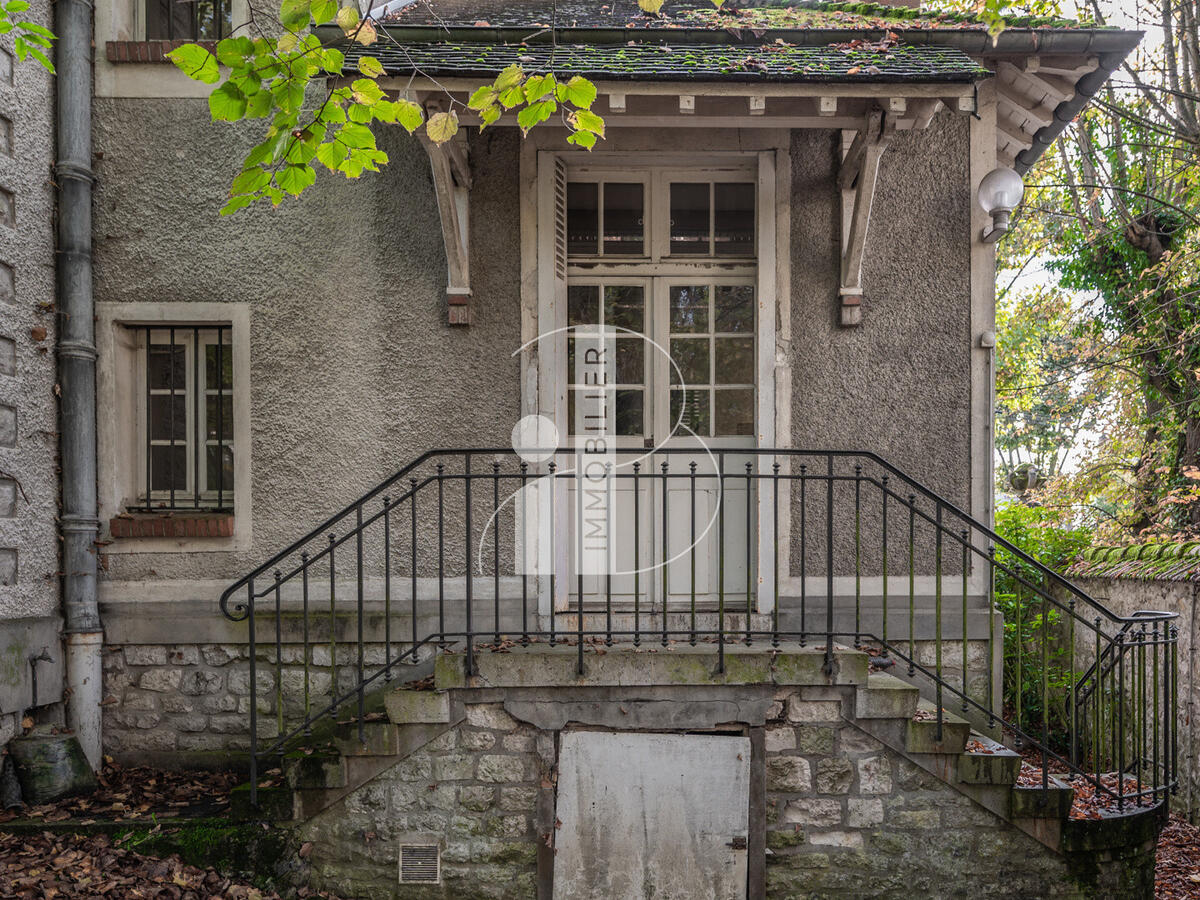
<point x="1114" y="215"/>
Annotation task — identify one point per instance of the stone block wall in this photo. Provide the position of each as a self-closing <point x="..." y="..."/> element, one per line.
<point x="474" y="789"/>
<point x="849" y="817"/>
<point x="844" y="816"/>
<point x="180" y="703"/>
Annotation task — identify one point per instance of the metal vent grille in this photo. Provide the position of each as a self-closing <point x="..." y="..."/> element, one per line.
<point x="420" y="864"/>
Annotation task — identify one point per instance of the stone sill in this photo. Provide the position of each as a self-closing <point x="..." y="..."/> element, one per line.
<point x="172" y="525"/>
<point x="147" y="51"/>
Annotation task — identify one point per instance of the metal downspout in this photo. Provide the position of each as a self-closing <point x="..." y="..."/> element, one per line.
<point x="77" y="372"/>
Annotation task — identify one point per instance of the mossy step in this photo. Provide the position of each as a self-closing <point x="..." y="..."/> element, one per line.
<point x="304" y="771"/>
<point x="994" y="764"/>
<point x="406" y="706"/>
<point x="924" y="735"/>
<point x="377" y="739"/>
<point x="1032" y="802"/>
<point x="885" y="697"/>
<point x="274" y="804"/>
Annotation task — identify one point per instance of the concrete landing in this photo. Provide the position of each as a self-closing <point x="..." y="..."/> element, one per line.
<point x="623" y="665"/>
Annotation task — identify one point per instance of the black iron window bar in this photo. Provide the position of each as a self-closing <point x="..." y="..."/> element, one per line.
<point x="844" y="513"/>
<point x="187" y="440"/>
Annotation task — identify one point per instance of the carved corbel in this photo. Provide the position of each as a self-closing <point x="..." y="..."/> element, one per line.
<point x="859" y="171"/>
<point x="452" y="186"/>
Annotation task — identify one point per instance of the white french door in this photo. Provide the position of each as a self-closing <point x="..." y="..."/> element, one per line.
<point x="657" y="266"/>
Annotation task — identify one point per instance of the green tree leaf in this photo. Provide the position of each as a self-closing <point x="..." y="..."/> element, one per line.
<point x="324" y="10"/>
<point x="535" y="113"/>
<point x="347" y="19"/>
<point x="581" y="92"/>
<point x="442" y="126"/>
<point x="370" y="66"/>
<point x="510" y="77"/>
<point x="586" y="120"/>
<point x="483" y="97"/>
<point x="227" y="103"/>
<point x="196" y="63"/>
<point x="584" y="139"/>
<point x="409" y="115"/>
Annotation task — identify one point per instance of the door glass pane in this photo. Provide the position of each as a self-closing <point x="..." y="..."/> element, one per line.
<point x="623" y="204"/>
<point x="631" y="361"/>
<point x="734" y="361"/>
<point x="691" y="357"/>
<point x="734" y="308"/>
<point x="629" y="416"/>
<point x="694" y="405"/>
<point x="583" y="218"/>
<point x="689" y="308"/>
<point x="624" y="306"/>
<point x="689" y="219"/>
<point x="733" y="219"/>
<point x="735" y="411"/>
<point x="583" y="304"/>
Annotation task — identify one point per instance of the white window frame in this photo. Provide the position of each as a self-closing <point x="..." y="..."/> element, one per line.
<point x="121" y="399"/>
<point x="194" y="369"/>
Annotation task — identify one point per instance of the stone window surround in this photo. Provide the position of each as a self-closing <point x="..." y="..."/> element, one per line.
<point x="116" y="367"/>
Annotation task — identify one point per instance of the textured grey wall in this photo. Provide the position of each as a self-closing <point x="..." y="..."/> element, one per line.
<point x="29" y="584"/>
<point x="28" y="428"/>
<point x="354" y="370"/>
<point x="899" y="384"/>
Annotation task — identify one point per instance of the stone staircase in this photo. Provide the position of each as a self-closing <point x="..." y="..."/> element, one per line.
<point x="334" y="762"/>
<point x="892" y="711"/>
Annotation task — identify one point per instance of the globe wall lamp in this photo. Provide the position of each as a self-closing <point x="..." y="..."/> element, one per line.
<point x="1000" y="193"/>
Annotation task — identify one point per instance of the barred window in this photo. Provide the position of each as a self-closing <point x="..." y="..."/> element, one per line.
<point x="187" y="432"/>
<point x="195" y="20"/>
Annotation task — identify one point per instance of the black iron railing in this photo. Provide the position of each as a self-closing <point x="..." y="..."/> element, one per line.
<point x="746" y="546"/>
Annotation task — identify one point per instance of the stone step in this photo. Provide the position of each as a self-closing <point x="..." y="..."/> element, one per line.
<point x="1032" y="802"/>
<point x="378" y="739"/>
<point x="885" y="697"/>
<point x="923" y="734"/>
<point x="324" y="769"/>
<point x="540" y="665"/>
<point x="406" y="706"/>
<point x="991" y="763"/>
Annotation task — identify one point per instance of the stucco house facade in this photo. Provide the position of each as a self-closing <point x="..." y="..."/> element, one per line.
<point x="340" y="458"/>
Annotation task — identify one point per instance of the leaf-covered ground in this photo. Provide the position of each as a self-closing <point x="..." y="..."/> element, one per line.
<point x="133" y="793"/>
<point x="49" y="866"/>
<point x="1177" y="871"/>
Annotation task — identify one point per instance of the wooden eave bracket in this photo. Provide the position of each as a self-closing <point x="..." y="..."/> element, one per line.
<point x="856" y="178"/>
<point x="452" y="185"/>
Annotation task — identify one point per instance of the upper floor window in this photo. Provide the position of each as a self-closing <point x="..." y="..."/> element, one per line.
<point x="186" y="429"/>
<point x="195" y="20"/>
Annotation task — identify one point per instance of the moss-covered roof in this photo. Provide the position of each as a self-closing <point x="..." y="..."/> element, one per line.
<point x="716" y="62"/>
<point x="692" y="14"/>
<point x="1143" y="562"/>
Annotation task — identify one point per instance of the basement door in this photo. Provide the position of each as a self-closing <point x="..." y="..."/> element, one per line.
<point x="662" y="816"/>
